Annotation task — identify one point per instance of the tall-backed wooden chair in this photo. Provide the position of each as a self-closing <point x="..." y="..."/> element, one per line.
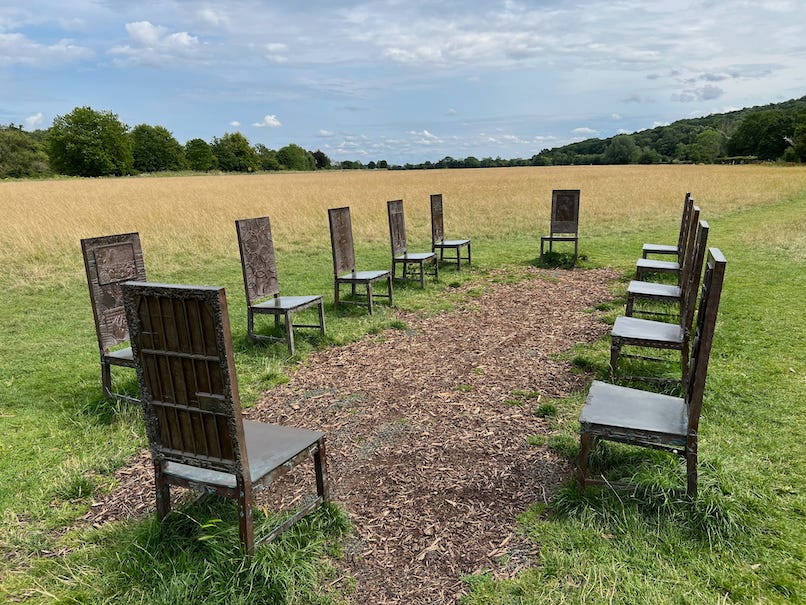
<point x="670" y="294"/>
<point x="344" y="271"/>
<point x="564" y="220"/>
<point x="438" y="241"/>
<point x="413" y="262"/>
<point x="182" y="346"/>
<point x="616" y="413"/>
<point x="645" y="267"/>
<point x="260" y="282"/>
<point x="637" y="332"/>
<point x="673" y="249"/>
<point x="109" y="261"/>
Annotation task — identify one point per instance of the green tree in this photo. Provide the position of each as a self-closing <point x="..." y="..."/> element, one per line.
<point x="234" y="153"/>
<point x="762" y="134"/>
<point x="799" y="143"/>
<point x="322" y="161"/>
<point x="268" y="157"/>
<point x="86" y="142"/>
<point x="621" y="150"/>
<point x="155" y="149"/>
<point x="20" y="154"/>
<point x="707" y="146"/>
<point x="199" y="156"/>
<point x="294" y="157"/>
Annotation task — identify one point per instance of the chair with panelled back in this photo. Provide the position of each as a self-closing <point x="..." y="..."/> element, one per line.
<point x="182" y="346"/>
<point x="438" y="241"/>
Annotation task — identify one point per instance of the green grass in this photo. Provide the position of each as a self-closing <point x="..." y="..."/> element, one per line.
<point x="743" y="540"/>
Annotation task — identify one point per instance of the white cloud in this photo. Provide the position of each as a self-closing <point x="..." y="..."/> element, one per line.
<point x="235" y="124"/>
<point x="615" y="116"/>
<point x="213" y="17"/>
<point x="585" y="132"/>
<point x="154" y="46"/>
<point x="703" y="93"/>
<point x="325" y="133"/>
<point x="269" y="121"/>
<point x="16" y="48"/>
<point x="276" y="52"/>
<point x="451" y="112"/>
<point x="35" y="121"/>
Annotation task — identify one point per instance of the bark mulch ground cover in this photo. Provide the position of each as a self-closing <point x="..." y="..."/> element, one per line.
<point x="427" y="430"/>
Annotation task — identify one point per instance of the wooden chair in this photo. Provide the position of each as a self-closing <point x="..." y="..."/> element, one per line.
<point x="669" y="294"/>
<point x="644" y="267"/>
<point x="260" y="281"/>
<point x="616" y="413"/>
<point x="109" y="261"/>
<point x="666" y="249"/>
<point x="438" y="241"/>
<point x="632" y="331"/>
<point x="413" y="262"/>
<point x="344" y="272"/>
<point x="182" y="346"/>
<point x="564" y="220"/>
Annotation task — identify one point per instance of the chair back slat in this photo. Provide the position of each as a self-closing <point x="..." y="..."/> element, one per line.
<point x="704" y="335"/>
<point x="181" y="340"/>
<point x="109" y="261"/>
<point x="565" y="211"/>
<point x="688" y="203"/>
<point x="688" y="288"/>
<point x="258" y="261"/>
<point x="690" y="230"/>
<point x="689" y="251"/>
<point x="341" y="240"/>
<point x="437" y="227"/>
<point x="397" y="227"/>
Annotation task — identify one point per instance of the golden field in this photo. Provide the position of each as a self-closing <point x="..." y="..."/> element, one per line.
<point x="43" y="221"/>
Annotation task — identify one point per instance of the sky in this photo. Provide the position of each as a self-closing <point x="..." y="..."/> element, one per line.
<point x="399" y="80"/>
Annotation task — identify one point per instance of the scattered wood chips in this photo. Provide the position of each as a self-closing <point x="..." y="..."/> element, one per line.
<point x="427" y="432"/>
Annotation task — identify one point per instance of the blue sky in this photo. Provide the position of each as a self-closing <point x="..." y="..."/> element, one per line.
<point x="404" y="81"/>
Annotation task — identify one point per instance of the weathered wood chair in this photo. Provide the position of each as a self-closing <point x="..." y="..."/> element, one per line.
<point x="413" y="262"/>
<point x="182" y="346"/>
<point x="666" y="249"/>
<point x="344" y="272"/>
<point x="616" y="413"/>
<point x="633" y="331"/>
<point x="260" y="282"/>
<point x="644" y="267"/>
<point x="109" y="261"/>
<point x="564" y="220"/>
<point x="669" y="294"/>
<point x="438" y="241"/>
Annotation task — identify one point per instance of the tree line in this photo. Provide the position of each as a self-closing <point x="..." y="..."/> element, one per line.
<point x="87" y="142"/>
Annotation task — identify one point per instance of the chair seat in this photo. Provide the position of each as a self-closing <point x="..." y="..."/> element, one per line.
<point x="657" y="265"/>
<point x="635" y="328"/>
<point x="363" y="275"/>
<point x="452" y="243"/>
<point x="121" y="355"/>
<point x="415" y="256"/>
<point x="268" y="446"/>
<point x="614" y="408"/>
<point x="659" y="249"/>
<point x="645" y="288"/>
<point x="287" y="303"/>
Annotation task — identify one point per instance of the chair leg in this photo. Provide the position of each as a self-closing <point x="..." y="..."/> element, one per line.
<point x="394" y="269"/>
<point x="289" y="332"/>
<point x="422" y="274"/>
<point x="250" y="325"/>
<point x="321" y="309"/>
<point x="163" y="492"/>
<point x="436" y="268"/>
<point x="336" y="294"/>
<point x="246" y="525"/>
<point x="389" y="290"/>
<point x="320" y="467"/>
<point x="615" y="351"/>
<point x="106" y="379"/>
<point x="369" y="297"/>
<point x="691" y="467"/>
<point x="630" y="305"/>
<point x="585" y="445"/>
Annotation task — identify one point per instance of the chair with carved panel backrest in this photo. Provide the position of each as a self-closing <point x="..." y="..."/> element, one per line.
<point x="413" y="262"/>
<point x="438" y="241"/>
<point x="564" y="220"/>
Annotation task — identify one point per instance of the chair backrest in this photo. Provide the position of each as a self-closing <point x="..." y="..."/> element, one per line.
<point x="565" y="211"/>
<point x="341" y="240"/>
<point x="437" y="228"/>
<point x="688" y="288"/>
<point x="182" y="347"/>
<point x="688" y="252"/>
<point x="397" y="227"/>
<point x="688" y="202"/>
<point x="257" y="258"/>
<point x="704" y="335"/>
<point x="690" y="230"/>
<point x="109" y="261"/>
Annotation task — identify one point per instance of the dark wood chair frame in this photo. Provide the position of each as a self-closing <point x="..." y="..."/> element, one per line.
<point x="647" y="333"/>
<point x="109" y="261"/>
<point x="260" y="281"/>
<point x="413" y="262"/>
<point x="652" y="420"/>
<point x="646" y="267"/>
<point x="669" y="294"/>
<point x="182" y="345"/>
<point x="666" y="249"/>
<point x="438" y="241"/>
<point x="344" y="271"/>
<point x="564" y="220"/>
